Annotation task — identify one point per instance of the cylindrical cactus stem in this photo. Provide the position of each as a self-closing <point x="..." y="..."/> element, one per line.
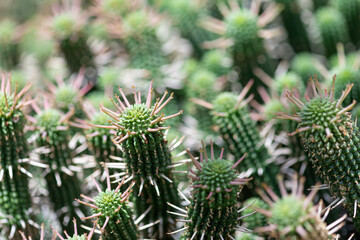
<point x="241" y="136"/>
<point x="15" y="200"/>
<point x="295" y="27"/>
<point x="113" y="215"/>
<point x="9" y="51"/>
<point x="331" y="140"/>
<point x="305" y="64"/>
<point x="68" y="26"/>
<point x="217" y="61"/>
<point x="213" y="212"/>
<point x="351" y="11"/>
<point x="332" y="27"/>
<point x="147" y="155"/>
<point x="62" y="182"/>
<point x="294" y="216"/>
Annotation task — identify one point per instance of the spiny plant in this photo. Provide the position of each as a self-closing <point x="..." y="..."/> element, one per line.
<point x="112" y="212"/>
<point x="254" y="220"/>
<point x="147" y="155"/>
<point x="295" y="27"/>
<point x="62" y="181"/>
<point x="242" y="32"/>
<point x="75" y="236"/>
<point x="213" y="212"/>
<point x="288" y="81"/>
<point x="332" y="27"/>
<point x="294" y="216"/>
<point x="9" y="51"/>
<point x="68" y="26"/>
<point x="217" y="61"/>
<point x="15" y="200"/>
<point x="331" y="140"/>
<point x="240" y="134"/>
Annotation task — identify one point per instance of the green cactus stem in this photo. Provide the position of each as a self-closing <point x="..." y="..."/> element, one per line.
<point x="217" y="61"/>
<point x="295" y="27"/>
<point x="330" y="139"/>
<point x="68" y="26"/>
<point x="305" y="64"/>
<point x="147" y="155"/>
<point x="350" y="9"/>
<point x="15" y="200"/>
<point x="332" y="27"/>
<point x="9" y="51"/>
<point x="213" y="212"/>
<point x="256" y="220"/>
<point x="294" y="216"/>
<point x="240" y="134"/>
<point x="112" y="212"/>
<point x="62" y="181"/>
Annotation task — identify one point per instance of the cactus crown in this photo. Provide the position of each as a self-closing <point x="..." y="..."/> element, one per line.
<point x="49" y="118"/>
<point x="66" y="95"/>
<point x="108" y="202"/>
<point x="242" y="26"/>
<point x="10" y="101"/>
<point x="139" y="118"/>
<point x="288" y="81"/>
<point x="64" y="24"/>
<point x="74" y="237"/>
<point x="118" y="7"/>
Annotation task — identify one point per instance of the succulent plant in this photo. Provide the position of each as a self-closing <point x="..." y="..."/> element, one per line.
<point x="213" y="212"/>
<point x="332" y="27"/>
<point x="304" y="64"/>
<point x="294" y="216"/>
<point x="141" y="126"/>
<point x="217" y="61"/>
<point x="255" y="220"/>
<point x="15" y="200"/>
<point x="112" y="212"/>
<point x="61" y="178"/>
<point x="330" y="139"/>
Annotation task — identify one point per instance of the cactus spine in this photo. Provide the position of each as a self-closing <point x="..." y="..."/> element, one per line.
<point x="213" y="212"/>
<point x="331" y="140"/>
<point x="147" y="156"/>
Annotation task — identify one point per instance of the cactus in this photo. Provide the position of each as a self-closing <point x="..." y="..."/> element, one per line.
<point x="15" y="200"/>
<point x="216" y="61"/>
<point x="288" y="81"/>
<point x="293" y="216"/>
<point x="295" y="27"/>
<point x="241" y="136"/>
<point x="255" y="220"/>
<point x="330" y="139"/>
<point x="350" y="9"/>
<point x="9" y="51"/>
<point x="140" y="126"/>
<point x="304" y="64"/>
<point x="62" y="182"/>
<point x="68" y="26"/>
<point x="75" y="236"/>
<point x="332" y="27"/>
<point x="213" y="212"/>
<point x="112" y="213"/>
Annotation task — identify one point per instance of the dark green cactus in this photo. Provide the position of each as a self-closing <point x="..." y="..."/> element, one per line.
<point x="331" y="140"/>
<point x="68" y="26"/>
<point x="294" y="216"/>
<point x="217" y="61"/>
<point x="295" y="27"/>
<point x="332" y="27"/>
<point x="112" y="212"/>
<point x="62" y="182"/>
<point x="9" y="51"/>
<point x="255" y="220"/>
<point x="319" y="4"/>
<point x="288" y="81"/>
<point x="15" y="200"/>
<point x="241" y="136"/>
<point x="213" y="212"/>
<point x="147" y="156"/>
<point x="351" y="11"/>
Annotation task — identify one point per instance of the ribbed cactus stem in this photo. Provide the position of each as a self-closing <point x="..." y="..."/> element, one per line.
<point x="331" y="140"/>
<point x="14" y="193"/>
<point x="62" y="182"/>
<point x="293" y="215"/>
<point x="213" y="212"/>
<point x="147" y="155"/>
<point x="112" y="213"/>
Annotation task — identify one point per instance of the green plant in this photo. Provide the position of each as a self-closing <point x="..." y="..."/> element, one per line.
<point x="213" y="212"/>
<point x="305" y="65"/>
<point x="330" y="139"/>
<point x="9" y="51"/>
<point x="147" y="156"/>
